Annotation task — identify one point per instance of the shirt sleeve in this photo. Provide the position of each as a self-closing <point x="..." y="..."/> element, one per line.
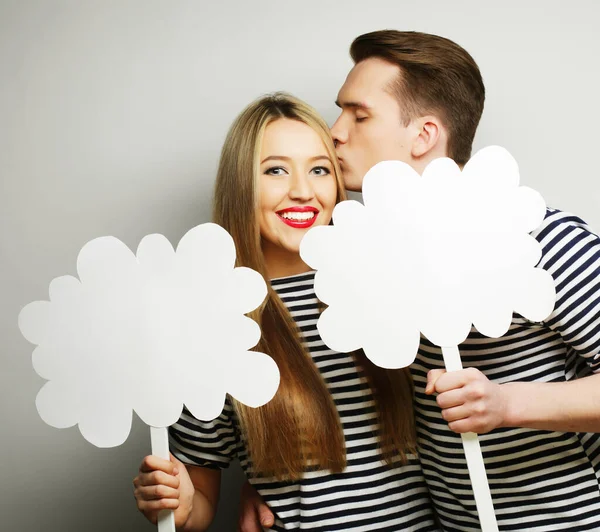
<point x="571" y="254"/>
<point x="213" y="444"/>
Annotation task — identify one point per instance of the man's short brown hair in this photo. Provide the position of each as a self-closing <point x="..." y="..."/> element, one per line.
<point x="437" y="77"/>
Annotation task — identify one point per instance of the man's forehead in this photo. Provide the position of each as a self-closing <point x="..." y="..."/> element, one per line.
<point x="368" y="80"/>
<point x="354" y="94"/>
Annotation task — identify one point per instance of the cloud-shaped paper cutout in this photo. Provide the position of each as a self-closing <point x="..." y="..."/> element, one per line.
<point x="148" y="333"/>
<point x="432" y="254"/>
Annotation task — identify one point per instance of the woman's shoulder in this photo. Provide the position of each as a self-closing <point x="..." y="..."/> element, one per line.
<point x="299" y="279"/>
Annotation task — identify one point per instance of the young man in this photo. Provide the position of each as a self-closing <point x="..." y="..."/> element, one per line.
<point x="533" y="395"/>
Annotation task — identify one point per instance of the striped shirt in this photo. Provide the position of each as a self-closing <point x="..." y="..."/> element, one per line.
<point x="367" y="495"/>
<point x="539" y="480"/>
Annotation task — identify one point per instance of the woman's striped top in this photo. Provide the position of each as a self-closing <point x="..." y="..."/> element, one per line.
<point x="367" y="495"/>
<point x="539" y="480"/>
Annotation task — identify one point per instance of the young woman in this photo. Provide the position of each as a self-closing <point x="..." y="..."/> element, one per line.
<point x="332" y="450"/>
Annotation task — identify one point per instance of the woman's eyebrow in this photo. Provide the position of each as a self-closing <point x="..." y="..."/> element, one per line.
<point x="275" y="157"/>
<point x="284" y="158"/>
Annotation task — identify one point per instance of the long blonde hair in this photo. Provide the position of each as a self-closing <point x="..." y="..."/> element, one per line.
<point x="300" y="427"/>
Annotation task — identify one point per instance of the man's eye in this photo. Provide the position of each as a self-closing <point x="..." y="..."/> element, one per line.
<point x="275" y="170"/>
<point x="361" y="118"/>
<point x="321" y="170"/>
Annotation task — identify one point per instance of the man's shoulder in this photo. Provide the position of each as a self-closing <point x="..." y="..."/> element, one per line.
<point x="566" y="241"/>
<point x="560" y="224"/>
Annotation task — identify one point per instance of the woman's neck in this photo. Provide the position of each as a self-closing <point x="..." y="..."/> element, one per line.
<point x="281" y="262"/>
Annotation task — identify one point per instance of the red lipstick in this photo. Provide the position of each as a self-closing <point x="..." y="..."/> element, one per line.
<point x="298" y="217"/>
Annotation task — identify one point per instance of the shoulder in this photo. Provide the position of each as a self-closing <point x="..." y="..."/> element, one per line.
<point x="556" y="222"/>
<point x="225" y="419"/>
<point x="565" y="237"/>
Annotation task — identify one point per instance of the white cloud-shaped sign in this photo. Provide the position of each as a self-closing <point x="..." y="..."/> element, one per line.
<point x="432" y="254"/>
<point x="148" y="333"/>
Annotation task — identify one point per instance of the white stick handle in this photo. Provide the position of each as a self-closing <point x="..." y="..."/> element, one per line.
<point x="479" y="481"/>
<point x="159" y="438"/>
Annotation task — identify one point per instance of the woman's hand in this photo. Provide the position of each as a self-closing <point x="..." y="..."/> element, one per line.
<point x="254" y="512"/>
<point x="164" y="485"/>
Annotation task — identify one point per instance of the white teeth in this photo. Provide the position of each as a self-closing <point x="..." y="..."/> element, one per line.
<point x="298" y="216"/>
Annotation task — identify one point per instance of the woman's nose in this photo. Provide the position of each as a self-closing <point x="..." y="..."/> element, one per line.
<point x="301" y="188"/>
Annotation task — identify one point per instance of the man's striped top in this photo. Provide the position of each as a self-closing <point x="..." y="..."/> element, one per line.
<point x="539" y="480"/>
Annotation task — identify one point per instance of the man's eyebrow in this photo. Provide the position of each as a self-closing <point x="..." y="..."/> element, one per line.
<point x="287" y="159"/>
<point x="352" y="105"/>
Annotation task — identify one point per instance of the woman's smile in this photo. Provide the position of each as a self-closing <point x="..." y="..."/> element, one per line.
<point x="299" y="217"/>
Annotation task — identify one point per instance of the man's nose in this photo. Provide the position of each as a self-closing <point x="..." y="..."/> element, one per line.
<point x="339" y="133"/>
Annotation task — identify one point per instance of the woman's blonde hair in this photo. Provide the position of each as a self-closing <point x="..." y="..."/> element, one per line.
<point x="300" y="427"/>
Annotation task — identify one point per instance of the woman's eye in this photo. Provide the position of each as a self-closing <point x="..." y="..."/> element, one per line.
<point x="275" y="170"/>
<point x="361" y="118"/>
<point x="321" y="170"/>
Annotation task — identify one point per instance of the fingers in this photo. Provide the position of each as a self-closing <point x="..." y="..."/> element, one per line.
<point x="451" y="399"/>
<point x="266" y="515"/>
<point x="465" y="418"/>
<point x="178" y="465"/>
<point x="254" y="516"/>
<point x="152" y="497"/>
<point x="254" y="512"/>
<point x="157" y="486"/>
<point x="462" y="426"/>
<point x="452" y="380"/>
<point x="157" y="471"/>
<point x="432" y="377"/>
<point x="248" y="523"/>
<point x="154" y="463"/>
<point x="151" y="508"/>
<point x="156" y="478"/>
<point x="455" y="414"/>
<point x="152" y="493"/>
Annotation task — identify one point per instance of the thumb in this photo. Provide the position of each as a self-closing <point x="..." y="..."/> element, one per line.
<point x="178" y="465"/>
<point x="432" y="377"/>
<point x="175" y="460"/>
<point x="266" y="516"/>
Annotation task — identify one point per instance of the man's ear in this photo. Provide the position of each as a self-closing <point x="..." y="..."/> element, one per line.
<point x="429" y="136"/>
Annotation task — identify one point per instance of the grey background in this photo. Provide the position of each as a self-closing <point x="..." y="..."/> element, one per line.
<point x="112" y="115"/>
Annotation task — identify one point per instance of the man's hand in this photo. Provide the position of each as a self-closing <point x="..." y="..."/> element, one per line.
<point x="470" y="402"/>
<point x="254" y="513"/>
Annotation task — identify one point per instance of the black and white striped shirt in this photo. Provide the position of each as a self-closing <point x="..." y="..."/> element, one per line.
<point x="539" y="480"/>
<point x="367" y="495"/>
